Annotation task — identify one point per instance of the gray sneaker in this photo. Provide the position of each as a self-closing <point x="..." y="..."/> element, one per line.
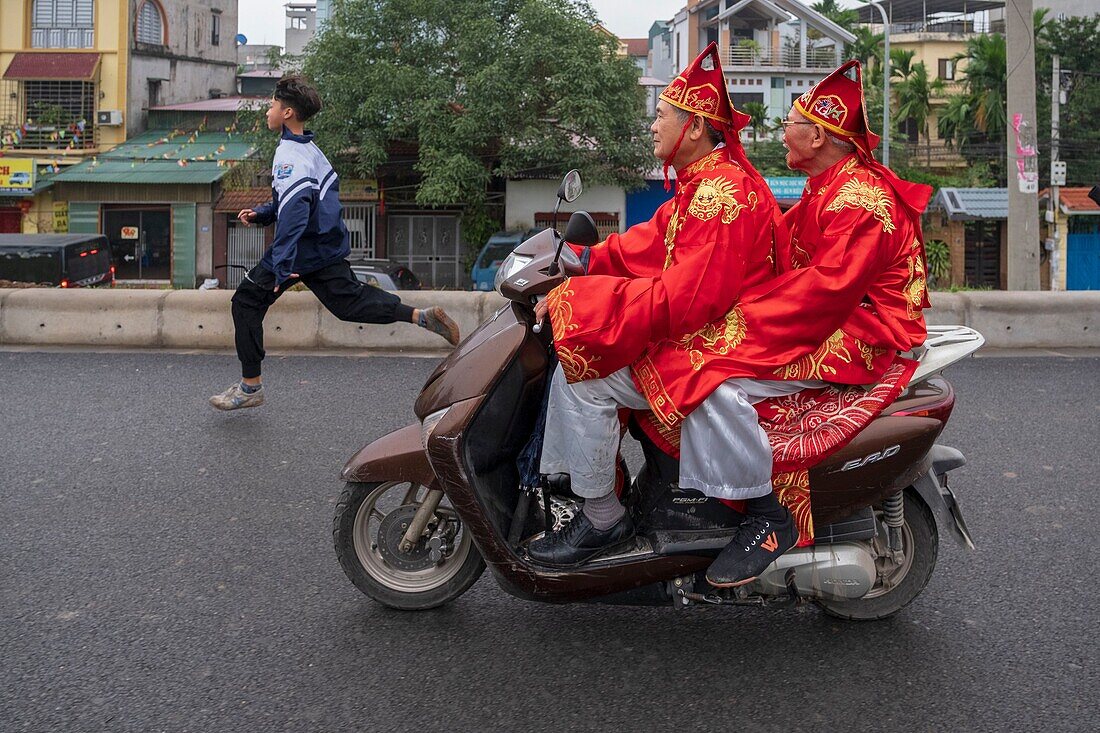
<point x="235" y="398"/>
<point x="437" y="321"/>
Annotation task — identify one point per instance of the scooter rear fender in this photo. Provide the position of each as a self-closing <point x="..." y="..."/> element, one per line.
<point x="398" y="456"/>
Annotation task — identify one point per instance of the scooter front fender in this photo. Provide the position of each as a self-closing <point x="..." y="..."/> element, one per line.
<point x="398" y="456"/>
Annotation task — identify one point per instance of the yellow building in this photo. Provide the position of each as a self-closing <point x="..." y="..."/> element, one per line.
<point x="77" y="78"/>
<point x="60" y="63"/>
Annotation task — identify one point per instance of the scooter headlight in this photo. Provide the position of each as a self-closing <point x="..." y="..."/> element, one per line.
<point x="428" y="425"/>
<point x="512" y="264"/>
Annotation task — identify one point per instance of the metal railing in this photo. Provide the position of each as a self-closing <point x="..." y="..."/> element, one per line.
<point x="48" y="115"/>
<point x="771" y="56"/>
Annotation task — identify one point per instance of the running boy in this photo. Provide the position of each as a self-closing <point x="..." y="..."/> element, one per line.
<point x="311" y="244"/>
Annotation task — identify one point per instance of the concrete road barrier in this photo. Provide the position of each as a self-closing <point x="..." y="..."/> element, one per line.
<point x="194" y="319"/>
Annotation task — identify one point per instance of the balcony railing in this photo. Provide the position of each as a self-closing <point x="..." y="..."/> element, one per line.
<point x="56" y="116"/>
<point x="784" y="58"/>
<point x="59" y="138"/>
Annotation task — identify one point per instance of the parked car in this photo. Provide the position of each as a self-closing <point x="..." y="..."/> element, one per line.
<point x="63" y="260"/>
<point x="385" y="274"/>
<point x="499" y="246"/>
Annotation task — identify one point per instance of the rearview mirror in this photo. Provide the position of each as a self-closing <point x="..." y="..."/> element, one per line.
<point x="581" y="230"/>
<point x="570" y="188"/>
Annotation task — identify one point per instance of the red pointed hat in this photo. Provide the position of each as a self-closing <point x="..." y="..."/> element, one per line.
<point x="836" y="103"/>
<point x="702" y="91"/>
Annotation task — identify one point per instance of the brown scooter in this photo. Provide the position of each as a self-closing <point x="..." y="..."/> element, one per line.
<point x="428" y="506"/>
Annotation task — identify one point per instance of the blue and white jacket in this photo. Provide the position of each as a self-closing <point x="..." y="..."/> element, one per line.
<point x="305" y="206"/>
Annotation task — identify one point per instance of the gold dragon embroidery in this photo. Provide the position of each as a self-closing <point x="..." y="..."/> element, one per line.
<point x="915" y="289"/>
<point x="813" y="366"/>
<point x="574" y="364"/>
<point x="708" y="162"/>
<point x="713" y="197"/>
<point x="859" y="195"/>
<point x="719" y="337"/>
<point x="674" y="226"/>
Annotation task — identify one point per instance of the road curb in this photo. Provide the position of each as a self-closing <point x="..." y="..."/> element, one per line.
<point x="201" y="319"/>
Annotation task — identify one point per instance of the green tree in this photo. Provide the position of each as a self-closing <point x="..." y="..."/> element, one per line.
<point x="974" y="121"/>
<point x="1074" y="40"/>
<point x="759" y="114"/>
<point x="479" y="89"/>
<point x="914" y="96"/>
<point x="843" y="17"/>
<point x="866" y="49"/>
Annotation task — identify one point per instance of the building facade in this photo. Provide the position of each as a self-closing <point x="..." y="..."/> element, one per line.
<point x="771" y="50"/>
<point x="77" y="78"/>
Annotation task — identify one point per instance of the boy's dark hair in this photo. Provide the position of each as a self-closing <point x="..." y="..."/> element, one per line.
<point x="298" y="94"/>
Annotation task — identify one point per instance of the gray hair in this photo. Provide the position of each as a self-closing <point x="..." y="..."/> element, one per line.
<point x="713" y="134"/>
<point x="844" y="145"/>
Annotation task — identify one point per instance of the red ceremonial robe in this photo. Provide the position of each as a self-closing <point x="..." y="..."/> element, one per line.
<point x="669" y="276"/>
<point x="848" y="297"/>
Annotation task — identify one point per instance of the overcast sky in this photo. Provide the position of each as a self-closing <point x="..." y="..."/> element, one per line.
<point x="263" y="21"/>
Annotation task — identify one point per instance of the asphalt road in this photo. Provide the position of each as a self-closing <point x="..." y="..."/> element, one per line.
<point x="169" y="568"/>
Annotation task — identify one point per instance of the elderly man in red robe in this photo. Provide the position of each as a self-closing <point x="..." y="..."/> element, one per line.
<point x="848" y="298"/>
<point x="664" y="279"/>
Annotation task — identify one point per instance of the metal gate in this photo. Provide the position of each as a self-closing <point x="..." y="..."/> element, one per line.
<point x="429" y="245"/>
<point x="244" y="246"/>
<point x="359" y="219"/>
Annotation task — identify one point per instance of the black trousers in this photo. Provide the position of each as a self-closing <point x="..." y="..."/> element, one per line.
<point x="335" y="286"/>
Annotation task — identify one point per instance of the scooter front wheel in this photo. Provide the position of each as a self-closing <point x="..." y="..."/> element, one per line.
<point x="368" y="531"/>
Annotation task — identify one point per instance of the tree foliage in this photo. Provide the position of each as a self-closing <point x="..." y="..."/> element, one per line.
<point x="1074" y="40"/>
<point x="480" y="88"/>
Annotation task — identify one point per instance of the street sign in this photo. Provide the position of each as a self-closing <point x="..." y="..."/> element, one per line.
<point x="17" y="175"/>
<point x="786" y="187"/>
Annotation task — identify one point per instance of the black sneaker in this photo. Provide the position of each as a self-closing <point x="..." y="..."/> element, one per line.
<point x="579" y="541"/>
<point x="758" y="543"/>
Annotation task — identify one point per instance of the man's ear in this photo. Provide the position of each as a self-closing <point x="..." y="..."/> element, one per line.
<point x="698" y="127"/>
<point x="820" y="137"/>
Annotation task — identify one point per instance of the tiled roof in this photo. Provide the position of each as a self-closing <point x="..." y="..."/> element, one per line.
<point x="34" y="65"/>
<point x="1077" y="201"/>
<point x="245" y="198"/>
<point x="165" y="156"/>
<point x="964" y="204"/>
<point x="636" y="46"/>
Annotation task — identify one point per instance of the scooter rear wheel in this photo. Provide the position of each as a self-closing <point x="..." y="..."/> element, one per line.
<point x="366" y="532"/>
<point x="904" y="580"/>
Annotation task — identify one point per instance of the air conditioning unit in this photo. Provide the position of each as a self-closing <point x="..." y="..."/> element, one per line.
<point x="108" y="117"/>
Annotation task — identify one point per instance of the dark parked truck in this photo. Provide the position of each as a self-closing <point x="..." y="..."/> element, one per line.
<point x="58" y="260"/>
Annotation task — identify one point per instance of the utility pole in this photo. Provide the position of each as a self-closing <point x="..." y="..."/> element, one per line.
<point x="1057" y="171"/>
<point x="885" y="83"/>
<point x="1023" y="174"/>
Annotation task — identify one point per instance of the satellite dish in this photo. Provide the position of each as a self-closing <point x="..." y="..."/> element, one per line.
<point x="241" y="39"/>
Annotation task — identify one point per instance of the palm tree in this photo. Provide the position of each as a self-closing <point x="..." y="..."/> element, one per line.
<point x="845" y="18"/>
<point x="865" y="49"/>
<point x="901" y="63"/>
<point x="915" y="94"/>
<point x="759" y="114"/>
<point x="986" y="79"/>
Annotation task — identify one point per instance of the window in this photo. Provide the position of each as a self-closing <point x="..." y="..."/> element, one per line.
<point x="947" y="69"/>
<point x="296" y="23"/>
<point x="150" y="25"/>
<point x="63" y="24"/>
<point x="215" y="27"/>
<point x="154" y="93"/>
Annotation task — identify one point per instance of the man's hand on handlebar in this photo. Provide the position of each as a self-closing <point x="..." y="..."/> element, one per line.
<point x="541" y="309"/>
